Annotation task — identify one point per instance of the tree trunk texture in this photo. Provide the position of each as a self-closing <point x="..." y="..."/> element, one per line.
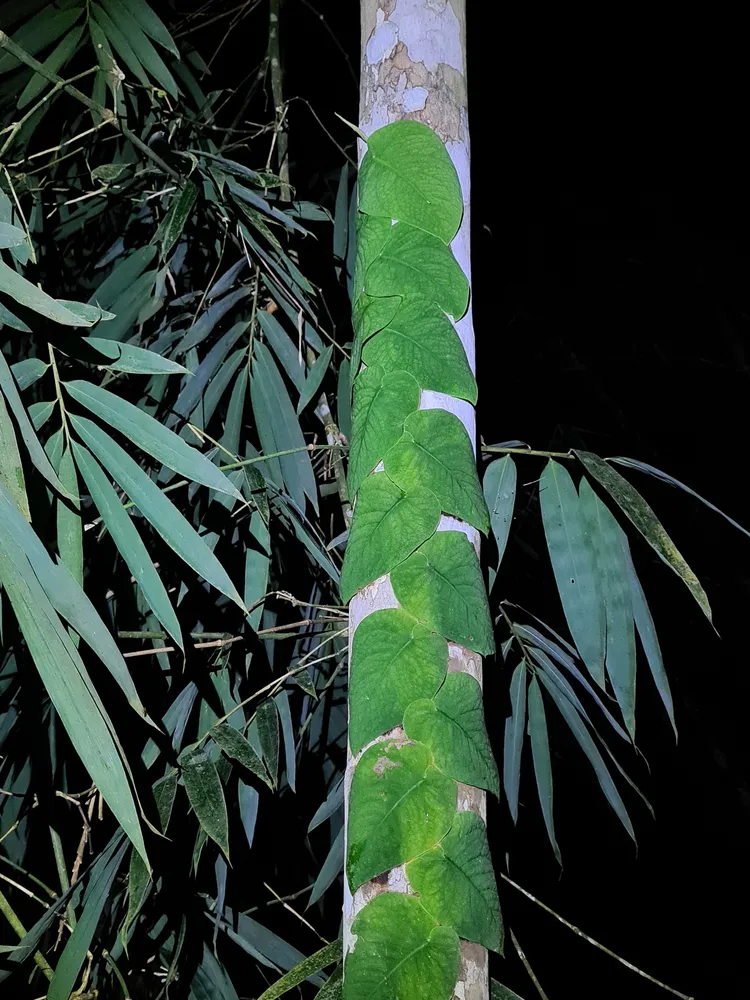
<point x="413" y="65"/>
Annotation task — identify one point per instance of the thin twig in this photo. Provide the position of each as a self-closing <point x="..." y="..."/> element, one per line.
<point x="528" y="968"/>
<point x="596" y="944"/>
<point x="297" y="915"/>
<point x="528" y="451"/>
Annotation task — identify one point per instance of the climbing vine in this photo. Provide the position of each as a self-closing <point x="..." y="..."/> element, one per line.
<point x="415" y="729"/>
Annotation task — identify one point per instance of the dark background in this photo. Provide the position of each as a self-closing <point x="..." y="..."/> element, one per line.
<point x="612" y="317"/>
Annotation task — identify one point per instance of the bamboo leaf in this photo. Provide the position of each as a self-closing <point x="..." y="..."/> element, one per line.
<point x="11" y="236"/>
<point x="572" y="560"/>
<point x="151" y="24"/>
<point x="332" y="867"/>
<point x="26" y="294"/>
<point x="180" y="209"/>
<point x="542" y="762"/>
<point x="642" y="516"/>
<point x="267" y="720"/>
<point x="128" y="541"/>
<point x="11" y="469"/>
<point x="206" y="795"/>
<point x="54" y="63"/>
<point x="315" y="376"/>
<point x="28" y="371"/>
<point x="69" y="525"/>
<point x="326" y="956"/>
<point x="156" y="507"/>
<point x="287" y="732"/>
<point x="129" y="358"/>
<point x="515" y="727"/>
<point x="152" y="437"/>
<point x="499" y="486"/>
<point x="234" y="745"/>
<point x="120" y="43"/>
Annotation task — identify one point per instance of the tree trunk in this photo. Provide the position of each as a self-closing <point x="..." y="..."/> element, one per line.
<point x="413" y="67"/>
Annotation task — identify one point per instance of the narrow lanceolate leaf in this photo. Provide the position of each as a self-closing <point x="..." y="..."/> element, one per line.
<point x="27" y="294"/>
<point x="515" y="728"/>
<point x="11" y="470"/>
<point x="400" y="805"/>
<point x="400" y="952"/>
<point x="314" y="378"/>
<point x="452" y="725"/>
<point x="156" y="507"/>
<point x="69" y="687"/>
<point x="128" y="358"/>
<point x="147" y="433"/>
<point x="129" y="543"/>
<point x="234" y="745"/>
<point x="435" y="451"/>
<point x="407" y="174"/>
<point x="36" y="452"/>
<point x="28" y="371"/>
<point x="572" y="560"/>
<point x="69" y="524"/>
<point x="649" y="639"/>
<point x="319" y="960"/>
<point x="500" y="992"/>
<point x="642" y="516"/>
<point x="395" y="661"/>
<point x="381" y="404"/>
<point x="267" y="719"/>
<point x="330" y="870"/>
<point x="96" y="897"/>
<point x="608" y="541"/>
<point x="175" y="219"/>
<point x="499" y="485"/>
<point x="11" y="236"/>
<point x="152" y="25"/>
<point x="586" y="743"/>
<point x="389" y="525"/>
<point x="542" y="762"/>
<point x="206" y="795"/>
<point x="456" y="883"/>
<point x="333" y="987"/>
<point x="68" y="599"/>
<point x="54" y="62"/>
<point x="441" y="585"/>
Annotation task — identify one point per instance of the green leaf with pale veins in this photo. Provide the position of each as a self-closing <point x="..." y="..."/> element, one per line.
<point x="205" y="794"/>
<point x="456" y="883"/>
<point x="542" y="761"/>
<point x="372" y="234"/>
<point x="418" y="338"/>
<point x="382" y="403"/>
<point x="147" y="433"/>
<point x="642" y="516"/>
<point x="571" y="553"/>
<point x="441" y="585"/>
<point x="614" y="584"/>
<point x="395" y="661"/>
<point x="369" y="315"/>
<point x="400" y="805"/>
<point x="412" y="262"/>
<point x="407" y="174"/>
<point x="389" y="523"/>
<point x="400" y="952"/>
<point x="452" y="725"/>
<point x="435" y="451"/>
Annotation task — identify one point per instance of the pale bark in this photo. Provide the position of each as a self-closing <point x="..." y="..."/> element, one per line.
<point x="413" y="65"/>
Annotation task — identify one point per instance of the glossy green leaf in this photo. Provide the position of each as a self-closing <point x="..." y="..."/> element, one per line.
<point x="441" y="585"/>
<point x="267" y="720"/>
<point x="400" y="952"/>
<point x="571" y="553"/>
<point x="394" y="662"/>
<point x="407" y="174"/>
<point x="129" y="543"/>
<point x="97" y="895"/>
<point x="151" y="436"/>
<point x="412" y="262"/>
<point x="515" y="729"/>
<point x="27" y="294"/>
<point x="372" y="235"/>
<point x="234" y="745"/>
<point x="156" y="507"/>
<point x="421" y="339"/>
<point x="36" y="452"/>
<point x="649" y="639"/>
<point x="205" y="794"/>
<point x="542" y="761"/>
<point x="180" y="210"/>
<point x="400" y="805"/>
<point x="611" y="569"/>
<point x="435" y="451"/>
<point x="586" y="743"/>
<point x="499" y="486"/>
<point x="136" y="360"/>
<point x="381" y="404"/>
<point x="452" y="725"/>
<point x="69" y="687"/>
<point x="642" y="516"/>
<point x="388" y="525"/>
<point x="456" y="883"/>
<point x="327" y="955"/>
<point x="54" y="62"/>
<point x="369" y="315"/>
<point x="11" y="469"/>
<point x="69" y="524"/>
